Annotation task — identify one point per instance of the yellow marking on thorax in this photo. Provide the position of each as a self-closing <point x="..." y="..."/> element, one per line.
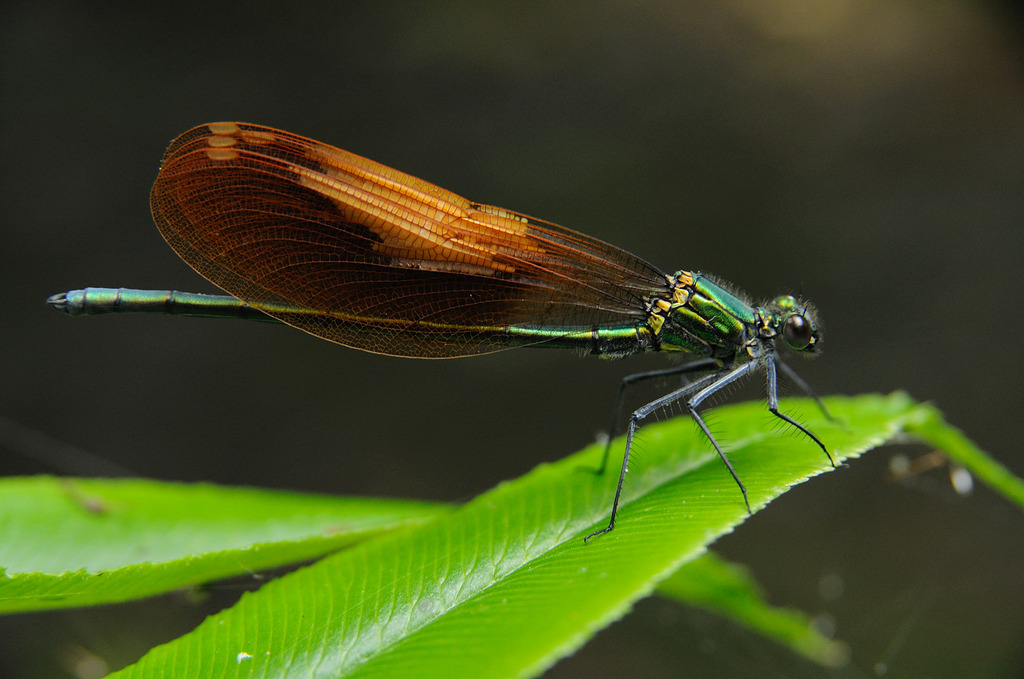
<point x="654" y="321"/>
<point x="680" y="296"/>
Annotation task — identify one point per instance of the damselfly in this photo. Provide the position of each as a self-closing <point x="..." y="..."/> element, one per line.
<point x="357" y="253"/>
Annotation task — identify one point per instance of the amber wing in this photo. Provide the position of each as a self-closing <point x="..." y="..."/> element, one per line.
<point x="363" y="255"/>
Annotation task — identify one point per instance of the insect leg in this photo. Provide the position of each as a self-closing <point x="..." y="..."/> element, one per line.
<point x="698" y="398"/>
<point x="773" y="402"/>
<point x="696" y="366"/>
<point x="703" y="388"/>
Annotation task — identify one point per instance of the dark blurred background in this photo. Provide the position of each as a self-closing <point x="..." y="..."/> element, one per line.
<point x="867" y="154"/>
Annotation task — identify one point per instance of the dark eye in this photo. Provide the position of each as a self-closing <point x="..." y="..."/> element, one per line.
<point x="797" y="332"/>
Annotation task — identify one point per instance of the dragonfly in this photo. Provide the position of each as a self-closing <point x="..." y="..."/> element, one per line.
<point x="352" y="251"/>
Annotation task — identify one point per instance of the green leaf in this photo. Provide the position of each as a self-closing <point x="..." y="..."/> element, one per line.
<point x="506" y="579"/>
<point x="727" y="589"/>
<point x="504" y="586"/>
<point x="928" y="425"/>
<point x="75" y="542"/>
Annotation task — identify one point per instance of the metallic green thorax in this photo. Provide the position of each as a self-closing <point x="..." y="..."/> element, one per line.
<point x="702" y="318"/>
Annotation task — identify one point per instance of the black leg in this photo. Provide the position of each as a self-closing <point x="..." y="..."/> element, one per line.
<point x="694" y="394"/>
<point x="699" y="391"/>
<point x="773" y="402"/>
<point x="699" y="398"/>
<point x="702" y="365"/>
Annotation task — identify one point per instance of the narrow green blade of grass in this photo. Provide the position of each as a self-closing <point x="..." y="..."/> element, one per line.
<point x="727" y="589"/>
<point x="76" y="542"/>
<point x="504" y="586"/>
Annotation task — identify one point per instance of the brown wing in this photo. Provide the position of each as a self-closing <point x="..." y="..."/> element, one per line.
<point x="363" y="255"/>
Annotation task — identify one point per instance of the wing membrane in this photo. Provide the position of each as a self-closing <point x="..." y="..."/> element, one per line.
<point x="369" y="257"/>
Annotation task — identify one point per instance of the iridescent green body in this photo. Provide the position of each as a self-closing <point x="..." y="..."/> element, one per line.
<point x="360" y="254"/>
<point x="692" y="315"/>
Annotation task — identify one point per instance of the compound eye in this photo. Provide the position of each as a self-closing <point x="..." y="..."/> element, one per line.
<point x="797" y="332"/>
